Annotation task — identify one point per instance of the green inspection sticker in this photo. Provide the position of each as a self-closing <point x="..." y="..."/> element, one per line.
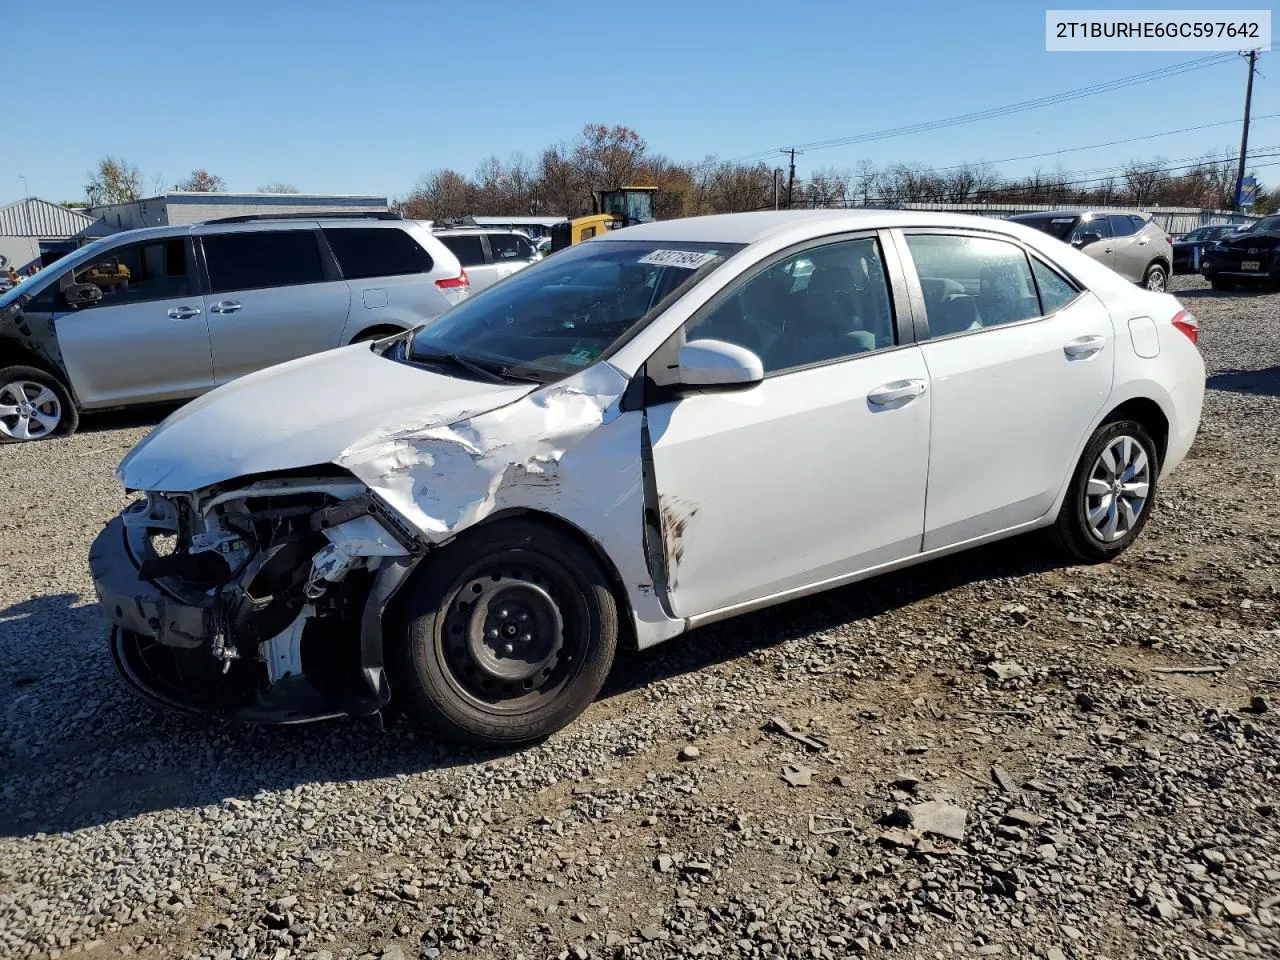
<point x="581" y="358"/>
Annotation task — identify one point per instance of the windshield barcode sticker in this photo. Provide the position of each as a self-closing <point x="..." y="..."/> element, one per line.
<point x="686" y="259"/>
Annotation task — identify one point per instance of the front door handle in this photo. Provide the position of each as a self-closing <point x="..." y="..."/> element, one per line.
<point x="183" y="313"/>
<point x="1084" y="346"/>
<point x="225" y="306"/>
<point x="889" y="393"/>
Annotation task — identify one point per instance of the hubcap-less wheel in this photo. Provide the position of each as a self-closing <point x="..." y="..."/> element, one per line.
<point x="28" y="410"/>
<point x="513" y="634"/>
<point x="1155" y="280"/>
<point x="1118" y="489"/>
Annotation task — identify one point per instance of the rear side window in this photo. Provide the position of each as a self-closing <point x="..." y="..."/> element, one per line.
<point x="363" y="252"/>
<point x="1138" y="222"/>
<point x="467" y="248"/>
<point x="1055" y="292"/>
<point x="972" y="283"/>
<point x="250" y="261"/>
<point x="1123" y="226"/>
<point x="510" y="246"/>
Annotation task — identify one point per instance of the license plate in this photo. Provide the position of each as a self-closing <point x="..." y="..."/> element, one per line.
<point x="1250" y="264"/>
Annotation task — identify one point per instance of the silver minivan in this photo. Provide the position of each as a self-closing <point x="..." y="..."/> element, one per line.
<point x="489" y="255"/>
<point x="167" y="313"/>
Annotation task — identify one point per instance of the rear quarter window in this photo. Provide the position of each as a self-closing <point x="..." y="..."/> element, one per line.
<point x="365" y="252"/>
<point x="468" y="249"/>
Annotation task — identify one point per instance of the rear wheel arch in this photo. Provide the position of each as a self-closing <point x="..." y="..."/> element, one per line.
<point x="1148" y="413"/>
<point x="377" y="332"/>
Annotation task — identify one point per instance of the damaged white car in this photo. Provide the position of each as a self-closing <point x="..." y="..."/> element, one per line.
<point x="653" y="430"/>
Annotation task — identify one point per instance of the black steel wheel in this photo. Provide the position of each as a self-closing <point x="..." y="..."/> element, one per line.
<point x="511" y="632"/>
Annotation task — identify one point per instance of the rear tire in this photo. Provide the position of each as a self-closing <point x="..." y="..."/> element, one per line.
<point x="1111" y="492"/>
<point x="1156" y="279"/>
<point x="34" y="405"/>
<point x="512" y="630"/>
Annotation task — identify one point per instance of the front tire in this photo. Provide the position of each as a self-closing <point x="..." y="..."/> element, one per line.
<point x="34" y="406"/>
<point x="1156" y="279"/>
<point x="1111" y="492"/>
<point x="512" y="630"/>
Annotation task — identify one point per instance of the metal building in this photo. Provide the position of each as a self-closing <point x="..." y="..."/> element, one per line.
<point x="37" y="231"/>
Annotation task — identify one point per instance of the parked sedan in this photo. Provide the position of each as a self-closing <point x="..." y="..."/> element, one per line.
<point x="647" y="432"/>
<point x="489" y="255"/>
<point x="1188" y="249"/>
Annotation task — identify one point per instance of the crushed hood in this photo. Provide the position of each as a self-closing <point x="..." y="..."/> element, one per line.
<point x="299" y="414"/>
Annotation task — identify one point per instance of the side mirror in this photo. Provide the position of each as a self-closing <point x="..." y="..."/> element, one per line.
<point x="82" y="294"/>
<point x="715" y="363"/>
<point x="1087" y="238"/>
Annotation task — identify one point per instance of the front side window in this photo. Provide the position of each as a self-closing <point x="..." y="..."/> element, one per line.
<point x="972" y="283"/>
<point x="468" y="248"/>
<point x="139" y="271"/>
<point x="826" y="304"/>
<point x="365" y="252"/>
<point x="1058" y="227"/>
<point x="1099" y="225"/>
<point x="560" y="315"/>
<point x="251" y="261"/>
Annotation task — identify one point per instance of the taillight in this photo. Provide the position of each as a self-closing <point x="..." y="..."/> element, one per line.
<point x="460" y="282"/>
<point x="1188" y="324"/>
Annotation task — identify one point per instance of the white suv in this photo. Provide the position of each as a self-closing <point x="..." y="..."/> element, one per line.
<point x="489" y="255"/>
<point x="167" y="313"/>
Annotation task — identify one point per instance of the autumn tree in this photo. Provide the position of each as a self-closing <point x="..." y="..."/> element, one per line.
<point x="201" y="181"/>
<point x="444" y="193"/>
<point x="114" y="180"/>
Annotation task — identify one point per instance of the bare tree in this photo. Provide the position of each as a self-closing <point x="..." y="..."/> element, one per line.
<point x="606" y="158"/>
<point x="114" y="180"/>
<point x="277" y="187"/>
<point x="201" y="181"/>
<point x="445" y="193"/>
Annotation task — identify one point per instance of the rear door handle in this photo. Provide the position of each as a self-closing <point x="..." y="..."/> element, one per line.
<point x="225" y="306"/>
<point x="183" y="313"/>
<point x="1084" y="346"/>
<point x="889" y="393"/>
<point x="1144" y="241"/>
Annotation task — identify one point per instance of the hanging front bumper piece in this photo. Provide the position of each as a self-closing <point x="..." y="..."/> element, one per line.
<point x="265" y="604"/>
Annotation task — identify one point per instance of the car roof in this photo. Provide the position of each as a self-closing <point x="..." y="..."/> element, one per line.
<point x="753" y="227"/>
<point x="1079" y="212"/>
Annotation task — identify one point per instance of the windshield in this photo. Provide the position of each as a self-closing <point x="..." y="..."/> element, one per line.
<point x="1055" y="226"/>
<point x="1263" y="225"/>
<point x="553" y="319"/>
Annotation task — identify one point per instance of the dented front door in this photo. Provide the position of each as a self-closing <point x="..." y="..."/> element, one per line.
<point x="800" y="479"/>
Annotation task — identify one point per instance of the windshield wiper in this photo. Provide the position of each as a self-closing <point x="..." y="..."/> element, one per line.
<point x="457" y="360"/>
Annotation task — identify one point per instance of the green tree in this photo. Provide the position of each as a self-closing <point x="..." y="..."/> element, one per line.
<point x="114" y="180"/>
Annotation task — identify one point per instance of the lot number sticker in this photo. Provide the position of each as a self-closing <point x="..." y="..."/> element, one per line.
<point x="685" y="259"/>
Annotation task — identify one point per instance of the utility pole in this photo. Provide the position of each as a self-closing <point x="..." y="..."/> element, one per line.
<point x="1244" y="134"/>
<point x="791" y="175"/>
<point x="777" y="172"/>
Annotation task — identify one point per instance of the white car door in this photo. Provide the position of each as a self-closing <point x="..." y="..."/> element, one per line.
<point x="1020" y="364"/>
<point x="146" y="340"/>
<point x="814" y="473"/>
<point x="272" y="296"/>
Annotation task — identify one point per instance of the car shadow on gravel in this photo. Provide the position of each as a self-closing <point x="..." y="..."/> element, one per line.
<point x="81" y="750"/>
<point x="730" y="639"/>
<point x="1260" y="383"/>
<point x="1240" y="293"/>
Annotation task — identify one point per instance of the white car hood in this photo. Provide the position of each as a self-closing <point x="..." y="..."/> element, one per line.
<point x="301" y="413"/>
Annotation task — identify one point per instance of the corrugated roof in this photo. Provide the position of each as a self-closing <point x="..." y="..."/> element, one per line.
<point x="40" y="218"/>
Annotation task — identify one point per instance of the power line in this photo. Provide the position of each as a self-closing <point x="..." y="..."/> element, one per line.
<point x="1096" y="89"/>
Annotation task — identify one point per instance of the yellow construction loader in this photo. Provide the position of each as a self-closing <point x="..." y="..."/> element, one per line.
<point x="610" y="210"/>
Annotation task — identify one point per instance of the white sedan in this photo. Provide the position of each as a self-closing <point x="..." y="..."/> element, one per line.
<point x="654" y="430"/>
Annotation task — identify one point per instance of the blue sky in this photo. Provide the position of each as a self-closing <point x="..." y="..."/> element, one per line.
<point x="339" y="97"/>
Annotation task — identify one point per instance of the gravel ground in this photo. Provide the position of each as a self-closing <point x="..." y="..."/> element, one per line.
<point x="996" y="764"/>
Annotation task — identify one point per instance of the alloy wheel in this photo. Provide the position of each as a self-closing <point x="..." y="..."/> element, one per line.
<point x="1156" y="281"/>
<point x="1118" y="488"/>
<point x="28" y="410"/>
